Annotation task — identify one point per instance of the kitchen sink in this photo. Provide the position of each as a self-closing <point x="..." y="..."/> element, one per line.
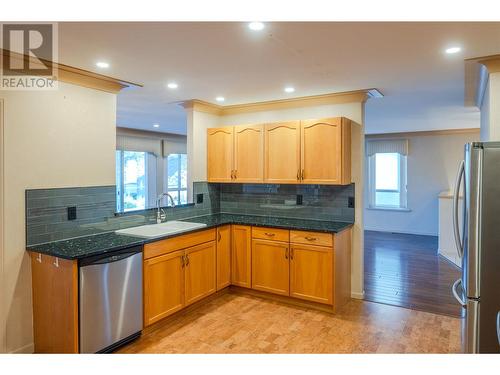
<point x="160" y="230"/>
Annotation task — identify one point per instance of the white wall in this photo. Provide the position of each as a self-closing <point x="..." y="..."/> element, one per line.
<point x="56" y="138"/>
<point x="432" y="165"/>
<point x="197" y="154"/>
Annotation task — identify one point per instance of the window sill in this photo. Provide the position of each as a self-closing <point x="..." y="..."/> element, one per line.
<point x="389" y="209"/>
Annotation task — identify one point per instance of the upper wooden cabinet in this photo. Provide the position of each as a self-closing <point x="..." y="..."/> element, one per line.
<point x="293" y="152"/>
<point x="220" y="154"/>
<point x="235" y="154"/>
<point x="248" y="153"/>
<point x="282" y="153"/>
<point x="325" y="151"/>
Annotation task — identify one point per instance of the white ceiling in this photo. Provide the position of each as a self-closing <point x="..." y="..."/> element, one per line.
<point x="423" y="86"/>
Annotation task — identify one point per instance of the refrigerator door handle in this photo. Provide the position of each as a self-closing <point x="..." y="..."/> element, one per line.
<point x="456" y="231"/>
<point x="455" y="293"/>
<point x="498" y="327"/>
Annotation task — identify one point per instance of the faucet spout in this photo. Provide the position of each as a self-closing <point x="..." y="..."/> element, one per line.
<point x="160" y="214"/>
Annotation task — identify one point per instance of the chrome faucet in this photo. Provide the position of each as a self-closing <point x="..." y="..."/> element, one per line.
<point x="160" y="214"/>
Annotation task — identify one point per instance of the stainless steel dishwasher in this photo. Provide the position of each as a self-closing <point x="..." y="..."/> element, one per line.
<point x="110" y="300"/>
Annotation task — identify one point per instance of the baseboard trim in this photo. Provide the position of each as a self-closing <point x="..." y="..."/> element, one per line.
<point x="26" y="349"/>
<point x="357" y="295"/>
<point x="401" y="232"/>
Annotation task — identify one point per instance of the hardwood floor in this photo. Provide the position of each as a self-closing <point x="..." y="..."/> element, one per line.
<point x="238" y="323"/>
<point x="405" y="270"/>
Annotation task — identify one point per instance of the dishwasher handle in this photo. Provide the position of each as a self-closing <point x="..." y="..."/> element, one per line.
<point x="112" y="257"/>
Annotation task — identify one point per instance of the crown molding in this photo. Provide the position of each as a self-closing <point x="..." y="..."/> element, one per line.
<point x="76" y="76"/>
<point x="423" y="133"/>
<point x="358" y="96"/>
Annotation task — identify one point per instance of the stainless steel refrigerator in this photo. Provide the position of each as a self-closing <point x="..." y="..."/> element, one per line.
<point x="478" y="244"/>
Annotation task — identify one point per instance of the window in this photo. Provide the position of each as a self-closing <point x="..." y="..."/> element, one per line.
<point x="176" y="177"/>
<point x="387" y="180"/>
<point x="131" y="180"/>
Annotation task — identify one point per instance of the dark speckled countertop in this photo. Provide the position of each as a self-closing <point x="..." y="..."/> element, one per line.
<point x="82" y="247"/>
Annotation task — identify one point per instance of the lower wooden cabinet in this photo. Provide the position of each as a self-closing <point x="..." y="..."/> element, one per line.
<point x="223" y="257"/>
<point x="241" y="256"/>
<point x="163" y="286"/>
<point x="199" y="272"/>
<point x="311" y="273"/>
<point x="270" y="268"/>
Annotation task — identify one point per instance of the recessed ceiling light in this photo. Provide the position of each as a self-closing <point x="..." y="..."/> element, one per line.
<point x="256" y="26"/>
<point x="220" y="98"/>
<point x="156" y="125"/>
<point x="453" y="50"/>
<point x="102" y="64"/>
<point x="172" y="85"/>
<point x="289" y="89"/>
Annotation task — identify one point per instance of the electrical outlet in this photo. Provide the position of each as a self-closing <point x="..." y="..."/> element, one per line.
<point x="350" y="202"/>
<point x="299" y="199"/>
<point x="72" y="213"/>
<point x="199" y="198"/>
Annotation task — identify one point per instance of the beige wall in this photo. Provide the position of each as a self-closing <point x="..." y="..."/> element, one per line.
<point x="197" y="156"/>
<point x="56" y="138"/>
<point x="432" y="165"/>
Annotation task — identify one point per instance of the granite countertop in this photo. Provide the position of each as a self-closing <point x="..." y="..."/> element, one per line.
<point x="82" y="247"/>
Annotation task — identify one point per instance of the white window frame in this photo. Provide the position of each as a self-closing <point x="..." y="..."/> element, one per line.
<point x="121" y="188"/>
<point x="179" y="187"/>
<point x="402" y="178"/>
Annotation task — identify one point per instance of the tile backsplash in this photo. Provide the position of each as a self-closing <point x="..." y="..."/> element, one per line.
<point x="47" y="216"/>
<point x="320" y="202"/>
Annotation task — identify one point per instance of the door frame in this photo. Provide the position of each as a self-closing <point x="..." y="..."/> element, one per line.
<point x="3" y="312"/>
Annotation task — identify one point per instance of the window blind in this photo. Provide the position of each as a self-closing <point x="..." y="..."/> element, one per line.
<point x="173" y="147"/>
<point x="142" y="144"/>
<point x="383" y="146"/>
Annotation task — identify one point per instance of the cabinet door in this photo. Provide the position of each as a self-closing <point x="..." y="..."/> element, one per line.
<point x="163" y="286"/>
<point x="199" y="272"/>
<point x="282" y="152"/>
<point x="311" y="269"/>
<point x="249" y="153"/>
<point x="223" y="257"/>
<point x="270" y="266"/>
<point x="241" y="256"/>
<point x="321" y="151"/>
<point x="220" y="154"/>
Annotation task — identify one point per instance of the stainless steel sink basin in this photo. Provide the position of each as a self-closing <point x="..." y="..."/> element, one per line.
<point x="160" y="230"/>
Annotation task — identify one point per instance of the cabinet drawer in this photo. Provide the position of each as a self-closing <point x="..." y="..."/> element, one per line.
<point x="271" y="234"/>
<point x="180" y="242"/>
<point x="311" y="238"/>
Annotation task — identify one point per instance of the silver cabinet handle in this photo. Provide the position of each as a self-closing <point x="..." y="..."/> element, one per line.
<point x="498" y="327"/>
<point x="455" y="293"/>
<point x="456" y="231"/>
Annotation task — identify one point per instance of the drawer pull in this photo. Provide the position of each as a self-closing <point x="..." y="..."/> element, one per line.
<point x="310" y="238"/>
<point x="270" y="234"/>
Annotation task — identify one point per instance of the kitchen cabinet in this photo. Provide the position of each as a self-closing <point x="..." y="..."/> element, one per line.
<point x="241" y="256"/>
<point x="235" y="154"/>
<point x="223" y="257"/>
<point x="248" y="154"/>
<point x="200" y="269"/>
<point x="292" y="152"/>
<point x="311" y="273"/>
<point x="55" y="304"/>
<point x="163" y="286"/>
<point x="220" y="154"/>
<point x="325" y="151"/>
<point x="282" y="153"/>
<point x="270" y="266"/>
